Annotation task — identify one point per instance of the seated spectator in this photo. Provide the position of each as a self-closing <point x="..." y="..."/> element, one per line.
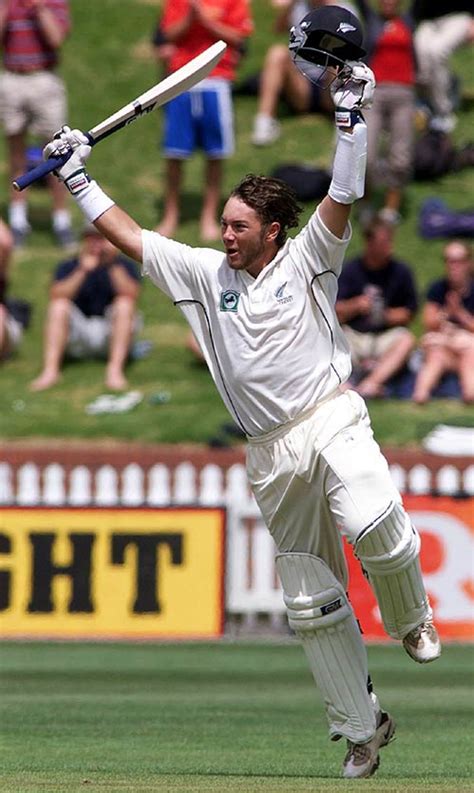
<point x="376" y="301"/>
<point x="11" y="328"/>
<point x="92" y="311"/>
<point x="442" y="27"/>
<point x="448" y="319"/>
<point x="390" y="121"/>
<point x="281" y="79"/>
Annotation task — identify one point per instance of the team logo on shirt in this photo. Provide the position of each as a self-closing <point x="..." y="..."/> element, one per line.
<point x="229" y="300"/>
<point x="280" y="294"/>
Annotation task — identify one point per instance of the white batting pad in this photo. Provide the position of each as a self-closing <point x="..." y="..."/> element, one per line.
<point x="320" y="614"/>
<point x="389" y="553"/>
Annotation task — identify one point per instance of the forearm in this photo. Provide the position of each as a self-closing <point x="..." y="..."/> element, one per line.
<point x="122" y="231"/>
<point x="465" y="319"/>
<point x="69" y="287"/>
<point x="3" y="17"/>
<point x="51" y="30"/>
<point x="348" y="178"/>
<point x="347" y="309"/>
<point x="231" y="37"/>
<point x="122" y="283"/>
<point x="397" y="316"/>
<point x="177" y="30"/>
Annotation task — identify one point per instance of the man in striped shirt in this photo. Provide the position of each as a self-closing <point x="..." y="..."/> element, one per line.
<point x="33" y="97"/>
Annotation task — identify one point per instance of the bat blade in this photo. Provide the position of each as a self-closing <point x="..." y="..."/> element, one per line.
<point x="181" y="80"/>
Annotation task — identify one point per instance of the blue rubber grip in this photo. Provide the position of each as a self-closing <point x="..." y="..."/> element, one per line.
<point x="41" y="170"/>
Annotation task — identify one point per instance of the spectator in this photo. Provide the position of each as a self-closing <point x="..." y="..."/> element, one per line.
<point x="390" y="54"/>
<point x="376" y="301"/>
<point x="448" y="318"/>
<point x="33" y="98"/>
<point x="11" y="329"/>
<point x="281" y="79"/>
<point x="201" y="117"/>
<point x="92" y="311"/>
<point x="442" y="27"/>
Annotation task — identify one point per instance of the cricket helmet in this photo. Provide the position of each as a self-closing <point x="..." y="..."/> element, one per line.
<point x="324" y="40"/>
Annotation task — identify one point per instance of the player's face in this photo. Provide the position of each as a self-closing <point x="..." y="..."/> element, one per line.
<point x="245" y="238"/>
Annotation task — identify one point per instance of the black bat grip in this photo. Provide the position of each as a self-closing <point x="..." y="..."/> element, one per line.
<point x="41" y="170"/>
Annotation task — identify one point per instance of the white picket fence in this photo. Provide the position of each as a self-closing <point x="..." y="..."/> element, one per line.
<point x="252" y="588"/>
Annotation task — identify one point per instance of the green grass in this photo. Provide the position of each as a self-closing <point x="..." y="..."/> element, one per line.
<point x="106" y="62"/>
<point x="218" y="717"/>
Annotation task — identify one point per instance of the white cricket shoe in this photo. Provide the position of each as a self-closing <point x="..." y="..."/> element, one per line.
<point x="422" y="643"/>
<point x="266" y="130"/>
<point x="362" y="759"/>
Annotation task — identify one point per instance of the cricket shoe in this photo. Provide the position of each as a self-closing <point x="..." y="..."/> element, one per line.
<point x="362" y="759"/>
<point x="422" y="643"/>
<point x="266" y="130"/>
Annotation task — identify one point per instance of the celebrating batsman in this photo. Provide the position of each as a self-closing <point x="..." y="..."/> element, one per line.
<point x="263" y="314"/>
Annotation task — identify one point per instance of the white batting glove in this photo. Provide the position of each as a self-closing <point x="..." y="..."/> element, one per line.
<point x="73" y="172"/>
<point x="352" y="91"/>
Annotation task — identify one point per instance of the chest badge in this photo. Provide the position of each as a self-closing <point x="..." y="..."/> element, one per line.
<point x="281" y="295"/>
<point x="229" y="300"/>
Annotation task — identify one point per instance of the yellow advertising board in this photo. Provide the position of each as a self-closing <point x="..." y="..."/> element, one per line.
<point x="111" y="573"/>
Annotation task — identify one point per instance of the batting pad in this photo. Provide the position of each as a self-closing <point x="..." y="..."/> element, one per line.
<point x="321" y="615"/>
<point x="389" y="553"/>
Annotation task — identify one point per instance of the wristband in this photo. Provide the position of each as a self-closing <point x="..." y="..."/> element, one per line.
<point x="346" y="119"/>
<point x="93" y="201"/>
<point x="348" y="172"/>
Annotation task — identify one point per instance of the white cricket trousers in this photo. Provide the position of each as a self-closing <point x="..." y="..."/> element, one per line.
<point x="321" y="477"/>
<point x="435" y="42"/>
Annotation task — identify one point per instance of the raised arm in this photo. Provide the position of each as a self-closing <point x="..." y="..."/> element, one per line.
<point x="348" y="176"/>
<point x="98" y="208"/>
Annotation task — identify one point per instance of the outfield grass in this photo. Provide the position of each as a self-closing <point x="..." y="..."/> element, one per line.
<point x="106" y="62"/>
<point x="218" y="717"/>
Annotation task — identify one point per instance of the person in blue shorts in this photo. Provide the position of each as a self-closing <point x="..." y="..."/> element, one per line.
<point x="203" y="117"/>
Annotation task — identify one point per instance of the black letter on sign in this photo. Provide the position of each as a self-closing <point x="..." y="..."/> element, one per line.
<point x="5" y="547"/>
<point x="44" y="571"/>
<point x="146" y="600"/>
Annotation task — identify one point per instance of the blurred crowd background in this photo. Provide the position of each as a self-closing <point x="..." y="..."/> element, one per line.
<point x="406" y="297"/>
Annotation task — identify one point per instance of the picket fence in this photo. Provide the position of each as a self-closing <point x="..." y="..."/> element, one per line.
<point x="252" y="589"/>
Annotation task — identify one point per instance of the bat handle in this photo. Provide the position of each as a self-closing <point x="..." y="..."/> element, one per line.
<point x="44" y="168"/>
<point x="41" y="170"/>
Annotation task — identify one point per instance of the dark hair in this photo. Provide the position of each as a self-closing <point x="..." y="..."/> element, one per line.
<point x="272" y="200"/>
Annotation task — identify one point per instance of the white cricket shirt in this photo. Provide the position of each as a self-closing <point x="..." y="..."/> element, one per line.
<point x="273" y="344"/>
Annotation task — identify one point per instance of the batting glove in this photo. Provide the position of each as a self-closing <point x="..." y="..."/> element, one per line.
<point x="73" y="172"/>
<point x="351" y="92"/>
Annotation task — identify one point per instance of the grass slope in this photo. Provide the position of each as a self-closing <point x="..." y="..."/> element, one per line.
<point x="106" y="62"/>
<point x="223" y="717"/>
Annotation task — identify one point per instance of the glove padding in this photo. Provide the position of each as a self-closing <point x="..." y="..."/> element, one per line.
<point x="354" y="89"/>
<point x="73" y="172"/>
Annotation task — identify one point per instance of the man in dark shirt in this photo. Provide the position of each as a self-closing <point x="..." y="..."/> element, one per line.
<point x="92" y="311"/>
<point x="376" y="301"/>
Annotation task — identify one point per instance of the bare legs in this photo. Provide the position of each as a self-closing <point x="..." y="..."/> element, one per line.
<point x="56" y="337"/>
<point x="438" y="361"/>
<point x="123" y="315"/>
<point x="390" y="363"/>
<point x="209" y="227"/>
<point x="55" y="340"/>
